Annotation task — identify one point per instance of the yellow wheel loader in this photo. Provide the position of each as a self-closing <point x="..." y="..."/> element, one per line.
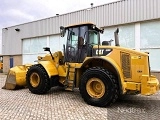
<point x="101" y="72"/>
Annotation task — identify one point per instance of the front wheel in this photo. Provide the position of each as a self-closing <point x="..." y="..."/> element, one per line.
<point x="98" y="87"/>
<point x="37" y="79"/>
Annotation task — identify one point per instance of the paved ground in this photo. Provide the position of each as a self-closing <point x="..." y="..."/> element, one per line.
<point x="62" y="105"/>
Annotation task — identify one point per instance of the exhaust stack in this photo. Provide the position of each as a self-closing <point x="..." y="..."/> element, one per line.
<point x="116" y="37"/>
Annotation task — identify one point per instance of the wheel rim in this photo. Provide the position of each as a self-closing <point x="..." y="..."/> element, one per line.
<point x="34" y="79"/>
<point x="95" y="88"/>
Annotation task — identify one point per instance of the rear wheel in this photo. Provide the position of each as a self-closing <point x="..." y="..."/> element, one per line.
<point x="37" y="79"/>
<point x="98" y="87"/>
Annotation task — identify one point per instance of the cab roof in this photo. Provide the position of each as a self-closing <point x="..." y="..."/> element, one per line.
<point x="85" y="24"/>
<point x="79" y="24"/>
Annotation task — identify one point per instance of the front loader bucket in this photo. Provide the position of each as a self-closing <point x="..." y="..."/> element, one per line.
<point x="16" y="77"/>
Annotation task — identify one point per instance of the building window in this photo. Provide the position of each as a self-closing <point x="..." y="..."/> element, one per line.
<point x="54" y="43"/>
<point x="32" y="48"/>
<point x="126" y="35"/>
<point x="34" y="45"/>
<point x="150" y="42"/>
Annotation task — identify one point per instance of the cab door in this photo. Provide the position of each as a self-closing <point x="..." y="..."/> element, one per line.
<point x="72" y="45"/>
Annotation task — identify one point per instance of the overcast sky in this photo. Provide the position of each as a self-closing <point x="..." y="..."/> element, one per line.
<point x="14" y="12"/>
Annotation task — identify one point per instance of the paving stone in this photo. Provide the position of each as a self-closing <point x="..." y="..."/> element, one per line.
<point x="58" y="104"/>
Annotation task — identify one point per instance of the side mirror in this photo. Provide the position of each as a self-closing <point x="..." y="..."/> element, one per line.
<point x="46" y="49"/>
<point x="62" y="31"/>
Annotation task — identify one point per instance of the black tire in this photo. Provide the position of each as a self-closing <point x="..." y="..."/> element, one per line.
<point x="109" y="87"/>
<point x="37" y="79"/>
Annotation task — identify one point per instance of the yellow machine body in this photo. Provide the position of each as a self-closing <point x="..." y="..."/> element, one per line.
<point x="136" y="79"/>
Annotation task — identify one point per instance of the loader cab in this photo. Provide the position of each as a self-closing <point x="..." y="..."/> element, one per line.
<point x="80" y="40"/>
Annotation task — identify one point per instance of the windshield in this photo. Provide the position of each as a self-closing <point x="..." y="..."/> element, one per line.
<point x="93" y="37"/>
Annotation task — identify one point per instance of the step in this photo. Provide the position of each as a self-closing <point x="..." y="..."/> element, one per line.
<point x="69" y="89"/>
<point x="70" y="85"/>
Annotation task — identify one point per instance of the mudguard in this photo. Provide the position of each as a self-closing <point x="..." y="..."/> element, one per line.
<point x="49" y="67"/>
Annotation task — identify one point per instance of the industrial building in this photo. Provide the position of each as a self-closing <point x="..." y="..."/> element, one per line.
<point x="138" y="21"/>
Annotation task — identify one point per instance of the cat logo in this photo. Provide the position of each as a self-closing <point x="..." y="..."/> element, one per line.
<point x="100" y="52"/>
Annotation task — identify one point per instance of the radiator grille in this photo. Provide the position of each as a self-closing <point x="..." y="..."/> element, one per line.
<point x="126" y="65"/>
